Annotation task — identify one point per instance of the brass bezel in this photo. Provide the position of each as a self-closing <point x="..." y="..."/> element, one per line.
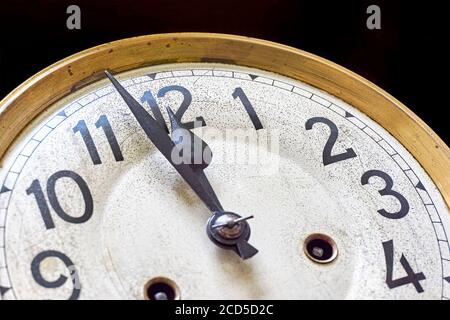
<point x="39" y="92"/>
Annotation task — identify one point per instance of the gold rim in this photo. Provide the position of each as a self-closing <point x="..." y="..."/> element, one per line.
<point x="36" y="94"/>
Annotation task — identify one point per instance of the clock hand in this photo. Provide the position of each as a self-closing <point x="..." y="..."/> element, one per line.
<point x="231" y="223"/>
<point x="226" y="229"/>
<point x="234" y="238"/>
<point x="231" y="231"/>
<point x="198" y="152"/>
<point x="162" y="142"/>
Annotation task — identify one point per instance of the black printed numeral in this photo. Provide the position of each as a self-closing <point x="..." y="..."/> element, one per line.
<point x="239" y="93"/>
<point x="387" y="191"/>
<point x="62" y="279"/>
<point x="186" y="102"/>
<point x="187" y="98"/>
<point x="103" y="123"/>
<point x="411" y="276"/>
<point x="44" y="209"/>
<point x="328" y="158"/>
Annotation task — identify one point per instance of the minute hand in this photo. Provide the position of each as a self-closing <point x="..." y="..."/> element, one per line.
<point x="164" y="144"/>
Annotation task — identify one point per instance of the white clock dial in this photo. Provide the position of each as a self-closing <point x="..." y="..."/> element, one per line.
<point x="89" y="208"/>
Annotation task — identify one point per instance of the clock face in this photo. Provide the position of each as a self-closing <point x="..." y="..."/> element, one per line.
<point x="90" y="208"/>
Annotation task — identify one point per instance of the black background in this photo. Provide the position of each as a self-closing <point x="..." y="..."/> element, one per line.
<point x="283" y="309"/>
<point x="409" y="57"/>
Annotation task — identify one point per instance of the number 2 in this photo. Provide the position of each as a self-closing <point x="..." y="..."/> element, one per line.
<point x="328" y="158"/>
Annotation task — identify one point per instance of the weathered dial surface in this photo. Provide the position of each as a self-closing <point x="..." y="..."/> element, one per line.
<point x="90" y="209"/>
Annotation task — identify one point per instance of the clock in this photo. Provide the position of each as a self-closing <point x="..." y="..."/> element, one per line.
<point x="211" y="166"/>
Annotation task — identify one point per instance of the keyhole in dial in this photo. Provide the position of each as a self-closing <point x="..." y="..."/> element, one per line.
<point x="320" y="248"/>
<point x="161" y="288"/>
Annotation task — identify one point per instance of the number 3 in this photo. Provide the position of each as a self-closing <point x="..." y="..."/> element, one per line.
<point x="387" y="191"/>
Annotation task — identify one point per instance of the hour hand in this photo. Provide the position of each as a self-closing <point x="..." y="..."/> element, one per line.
<point x="193" y="150"/>
<point x="229" y="237"/>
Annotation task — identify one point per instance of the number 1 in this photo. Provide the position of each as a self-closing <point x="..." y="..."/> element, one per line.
<point x="239" y="93"/>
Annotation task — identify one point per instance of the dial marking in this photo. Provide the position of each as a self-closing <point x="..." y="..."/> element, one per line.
<point x="321" y="100"/>
<point x="82" y="128"/>
<point x="43" y="207"/>
<point x="327" y="157"/>
<point x="239" y="93"/>
<point x="411" y="277"/>
<point x="39" y="278"/>
<point x="387" y="191"/>
<point x="447" y="278"/>
<point x="150" y="99"/>
<point x="62" y="113"/>
<point x="187" y="99"/>
<point x="4" y="290"/>
<point x="348" y="114"/>
<point x="103" y="123"/>
<point x="420" y="186"/>
<point x="4" y="189"/>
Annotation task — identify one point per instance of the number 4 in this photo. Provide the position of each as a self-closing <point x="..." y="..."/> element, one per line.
<point x="411" y="277"/>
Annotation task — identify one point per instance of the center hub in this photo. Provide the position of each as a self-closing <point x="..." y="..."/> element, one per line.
<point x="227" y="227"/>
